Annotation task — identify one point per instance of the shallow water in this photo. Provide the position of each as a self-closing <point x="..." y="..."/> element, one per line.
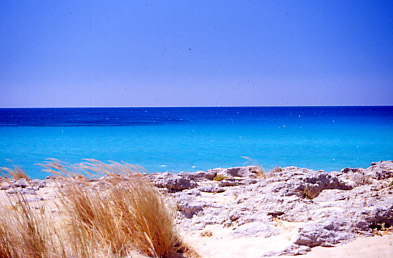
<point x="189" y="139"/>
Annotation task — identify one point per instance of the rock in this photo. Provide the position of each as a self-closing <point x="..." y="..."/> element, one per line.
<point x="381" y="170"/>
<point x="236" y="182"/>
<point x="276" y="170"/>
<point x="296" y="250"/>
<point x="326" y="233"/>
<point x="174" y="182"/>
<point x="195" y="192"/>
<point x="380" y="212"/>
<point x="250" y="171"/>
<point x="195" y="176"/>
<point x="21" y="182"/>
<point x="360" y="178"/>
<point x="28" y="191"/>
<point x="237" y="213"/>
<point x="200" y="175"/>
<point x="188" y="205"/>
<point x="317" y="182"/>
<point x="231" y="182"/>
<point x="36" y="199"/>
<point x="38" y="183"/>
<point x="210" y="174"/>
<point x="353" y="170"/>
<point x="292" y="250"/>
<point x="197" y="223"/>
<point x="255" y="229"/>
<point x="275" y="214"/>
<point x="5" y="186"/>
<point x="211" y="188"/>
<point x="189" y="209"/>
<point x="333" y="207"/>
<point x="214" y="172"/>
<point x="213" y="217"/>
<point x="12" y="191"/>
<point x="20" y="190"/>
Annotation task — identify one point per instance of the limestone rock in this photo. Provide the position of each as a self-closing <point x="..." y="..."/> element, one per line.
<point x="248" y="172"/>
<point x="257" y="229"/>
<point x="189" y="209"/>
<point x="237" y="213"/>
<point x="199" y="175"/>
<point x="174" y="182"/>
<point x="5" y="186"/>
<point x="326" y="233"/>
<point x="211" y="188"/>
<point x="38" y="183"/>
<point x="21" y="182"/>
<point x="381" y="170"/>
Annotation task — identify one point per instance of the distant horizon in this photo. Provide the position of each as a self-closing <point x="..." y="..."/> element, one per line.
<point x="201" y="106"/>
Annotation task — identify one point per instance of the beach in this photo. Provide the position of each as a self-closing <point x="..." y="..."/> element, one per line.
<point x="198" y="129"/>
<point x="245" y="212"/>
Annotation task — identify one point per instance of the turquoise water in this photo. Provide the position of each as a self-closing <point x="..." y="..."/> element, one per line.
<point x="189" y="139"/>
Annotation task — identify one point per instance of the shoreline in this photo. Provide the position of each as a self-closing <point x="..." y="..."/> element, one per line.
<point x="243" y="212"/>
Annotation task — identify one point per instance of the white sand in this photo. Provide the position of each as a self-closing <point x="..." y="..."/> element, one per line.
<point x="220" y="244"/>
<point x="362" y="247"/>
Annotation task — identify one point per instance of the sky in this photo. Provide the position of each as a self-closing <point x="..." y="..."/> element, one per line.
<point x="195" y="53"/>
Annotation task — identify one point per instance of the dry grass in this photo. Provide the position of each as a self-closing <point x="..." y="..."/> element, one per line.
<point x="258" y="172"/>
<point x="113" y="217"/>
<point x="14" y="173"/>
<point x="7" y="249"/>
<point x="257" y="169"/>
<point x="207" y="233"/>
<point x="26" y="232"/>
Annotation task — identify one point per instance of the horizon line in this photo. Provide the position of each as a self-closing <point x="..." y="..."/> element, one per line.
<point x="237" y="106"/>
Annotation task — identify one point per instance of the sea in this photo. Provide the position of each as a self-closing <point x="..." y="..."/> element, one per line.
<point x="198" y="138"/>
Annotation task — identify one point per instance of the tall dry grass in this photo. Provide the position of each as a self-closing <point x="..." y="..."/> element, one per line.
<point x="12" y="173"/>
<point x="7" y="249"/>
<point x="257" y="168"/>
<point x="112" y="217"/>
<point x="26" y="231"/>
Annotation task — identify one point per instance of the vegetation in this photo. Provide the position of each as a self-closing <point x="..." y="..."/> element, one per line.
<point x="25" y="232"/>
<point x="15" y="173"/>
<point x="116" y="216"/>
<point x="257" y="168"/>
<point x="219" y="177"/>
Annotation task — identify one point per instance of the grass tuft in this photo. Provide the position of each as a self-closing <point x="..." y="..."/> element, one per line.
<point x="219" y="178"/>
<point x="14" y="173"/>
<point x="257" y="169"/>
<point x="25" y="232"/>
<point x="114" y="216"/>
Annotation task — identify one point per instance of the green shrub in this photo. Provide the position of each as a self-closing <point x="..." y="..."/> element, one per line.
<point x="219" y="177"/>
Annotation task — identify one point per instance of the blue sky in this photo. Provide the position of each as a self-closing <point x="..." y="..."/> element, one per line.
<point x="195" y="53"/>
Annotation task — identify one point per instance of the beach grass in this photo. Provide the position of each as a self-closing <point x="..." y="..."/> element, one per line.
<point x="14" y="173"/>
<point x="116" y="216"/>
<point x="26" y="231"/>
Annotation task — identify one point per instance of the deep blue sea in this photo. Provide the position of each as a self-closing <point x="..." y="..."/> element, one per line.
<point x="190" y="139"/>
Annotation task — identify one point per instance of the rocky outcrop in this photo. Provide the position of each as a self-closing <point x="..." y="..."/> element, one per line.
<point x="381" y="170"/>
<point x="330" y="208"/>
<point x="22" y="185"/>
<point x="255" y="229"/>
<point x="327" y="232"/>
<point x="173" y="182"/>
<point x="333" y="207"/>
